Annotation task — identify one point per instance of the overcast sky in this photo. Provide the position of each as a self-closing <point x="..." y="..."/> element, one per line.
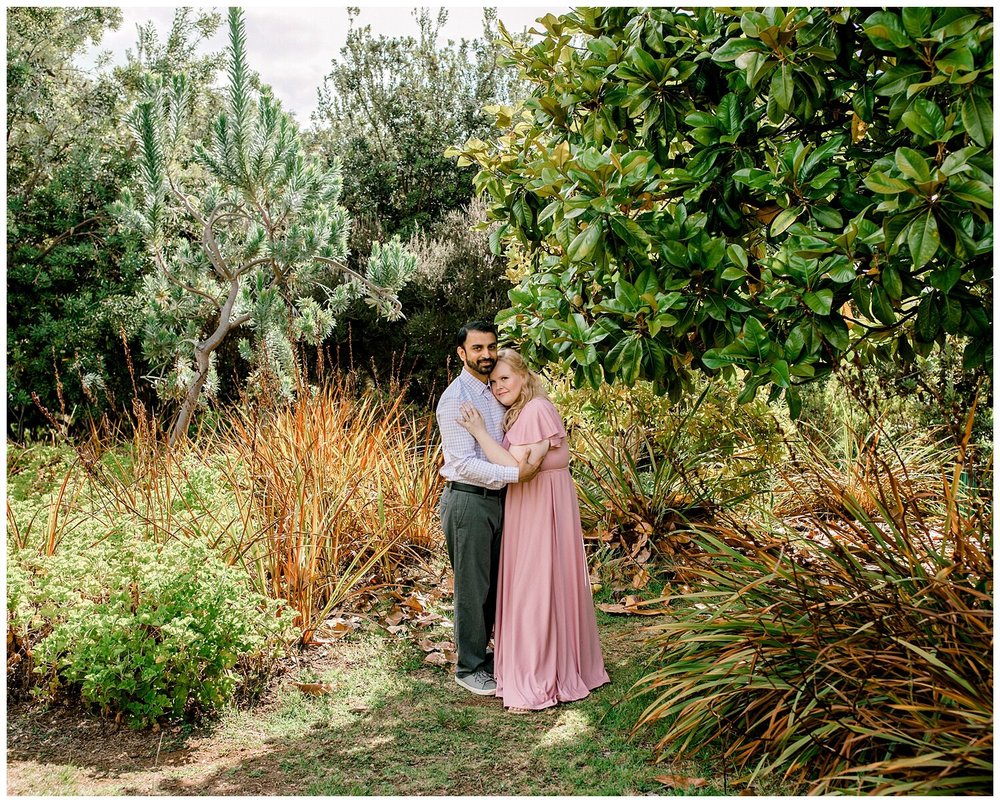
<point x="292" y="48"/>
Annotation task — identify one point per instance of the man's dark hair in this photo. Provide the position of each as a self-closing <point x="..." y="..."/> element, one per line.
<point x="474" y="326"/>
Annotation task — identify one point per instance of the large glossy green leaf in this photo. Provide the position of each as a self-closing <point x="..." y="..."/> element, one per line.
<point x="928" y="322"/>
<point x="734" y="48"/>
<point x="977" y="192"/>
<point x="835" y="331"/>
<point x="885" y="30"/>
<point x="729" y="115"/>
<point x="977" y="117"/>
<point x="735" y="353"/>
<point x="784" y="219"/>
<point x="885" y="185"/>
<point x="955" y="22"/>
<point x="827" y="217"/>
<point x="952" y="317"/>
<point x="820" y="301"/>
<point x="976" y="353"/>
<point x="755" y="338"/>
<point x="957" y="60"/>
<point x="917" y="20"/>
<point x="782" y="86"/>
<point x="923" y="238"/>
<point x="945" y="278"/>
<point x="584" y="242"/>
<point x="737" y="255"/>
<point x="840" y="269"/>
<point x="895" y="80"/>
<point x="892" y="283"/>
<point x="779" y="374"/>
<point x="881" y="307"/>
<point x="912" y="164"/>
<point x="925" y="119"/>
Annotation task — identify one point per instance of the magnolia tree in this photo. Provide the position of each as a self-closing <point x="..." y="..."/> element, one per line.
<point x="245" y="233"/>
<point x="762" y="191"/>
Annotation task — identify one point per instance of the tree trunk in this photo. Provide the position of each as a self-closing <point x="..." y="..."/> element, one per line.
<point x="202" y="358"/>
<point x="184" y="415"/>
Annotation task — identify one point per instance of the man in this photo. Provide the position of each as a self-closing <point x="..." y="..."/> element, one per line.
<point x="472" y="504"/>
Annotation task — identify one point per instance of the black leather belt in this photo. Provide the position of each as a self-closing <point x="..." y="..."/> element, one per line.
<point x="473" y="489"/>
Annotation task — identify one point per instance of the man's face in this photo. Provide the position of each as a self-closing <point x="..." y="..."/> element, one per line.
<point x="479" y="353"/>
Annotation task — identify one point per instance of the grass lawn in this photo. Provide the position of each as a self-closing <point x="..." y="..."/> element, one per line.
<point x="390" y="725"/>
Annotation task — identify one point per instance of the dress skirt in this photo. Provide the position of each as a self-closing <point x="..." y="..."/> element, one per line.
<point x="547" y="646"/>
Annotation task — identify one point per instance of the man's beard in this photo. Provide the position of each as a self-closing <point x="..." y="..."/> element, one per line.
<point x="482" y="366"/>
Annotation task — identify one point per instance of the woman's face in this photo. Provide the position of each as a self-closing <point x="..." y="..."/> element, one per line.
<point x="505" y="383"/>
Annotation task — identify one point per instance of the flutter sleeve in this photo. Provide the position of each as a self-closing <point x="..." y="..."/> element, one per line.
<point x="538" y="421"/>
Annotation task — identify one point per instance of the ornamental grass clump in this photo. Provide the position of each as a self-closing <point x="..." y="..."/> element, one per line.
<point x="336" y="491"/>
<point x="849" y="654"/>
<point x="644" y="466"/>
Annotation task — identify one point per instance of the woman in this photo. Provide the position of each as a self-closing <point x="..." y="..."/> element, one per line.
<point x="547" y="647"/>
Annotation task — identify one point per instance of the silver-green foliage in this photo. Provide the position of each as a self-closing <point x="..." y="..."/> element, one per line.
<point x="245" y="234"/>
<point x="140" y="628"/>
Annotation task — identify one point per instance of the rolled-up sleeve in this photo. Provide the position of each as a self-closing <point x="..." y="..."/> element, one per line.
<point x="463" y="455"/>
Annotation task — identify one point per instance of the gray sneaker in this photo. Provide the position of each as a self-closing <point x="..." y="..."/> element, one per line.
<point x="479" y="682"/>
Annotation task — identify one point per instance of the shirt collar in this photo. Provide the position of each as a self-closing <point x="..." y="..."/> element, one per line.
<point x="474" y="385"/>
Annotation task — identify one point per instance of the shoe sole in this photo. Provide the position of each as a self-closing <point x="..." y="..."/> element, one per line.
<point x="480" y="692"/>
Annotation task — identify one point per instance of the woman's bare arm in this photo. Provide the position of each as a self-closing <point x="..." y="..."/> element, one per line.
<point x="526" y="457"/>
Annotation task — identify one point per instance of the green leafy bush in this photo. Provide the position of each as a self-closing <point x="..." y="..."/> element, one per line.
<point x="747" y="191"/>
<point x="141" y="629"/>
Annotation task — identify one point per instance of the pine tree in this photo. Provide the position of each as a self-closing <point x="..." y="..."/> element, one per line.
<point x="245" y="235"/>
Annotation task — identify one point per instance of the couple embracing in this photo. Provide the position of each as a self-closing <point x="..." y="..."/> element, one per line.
<point x="512" y="525"/>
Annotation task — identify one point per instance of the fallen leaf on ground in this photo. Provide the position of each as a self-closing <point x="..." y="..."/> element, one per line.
<point x="413" y="604"/>
<point x="631" y="605"/>
<point x="681" y="781"/>
<point x="395" y="616"/>
<point x="436" y="658"/>
<point x="430" y="646"/>
<point x="334" y="629"/>
<point x="315" y="689"/>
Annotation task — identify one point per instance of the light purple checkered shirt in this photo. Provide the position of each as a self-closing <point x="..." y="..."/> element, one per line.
<point x="464" y="459"/>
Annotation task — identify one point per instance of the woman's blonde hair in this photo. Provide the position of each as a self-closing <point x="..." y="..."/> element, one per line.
<point x="532" y="387"/>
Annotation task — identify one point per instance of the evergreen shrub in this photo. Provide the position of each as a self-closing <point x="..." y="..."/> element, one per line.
<point x="139" y="629"/>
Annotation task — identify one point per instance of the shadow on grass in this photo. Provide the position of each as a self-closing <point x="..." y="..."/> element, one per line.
<point x="436" y="739"/>
<point x="392" y="726"/>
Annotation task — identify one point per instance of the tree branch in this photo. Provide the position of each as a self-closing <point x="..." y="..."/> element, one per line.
<point x="70" y="232"/>
<point x="212" y="342"/>
<point x="374" y="288"/>
<point x="174" y="280"/>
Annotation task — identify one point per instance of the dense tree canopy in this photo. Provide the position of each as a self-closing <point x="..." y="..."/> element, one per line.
<point x="392" y="104"/>
<point x="71" y="273"/>
<point x="388" y="110"/>
<point x="62" y="170"/>
<point x="770" y="190"/>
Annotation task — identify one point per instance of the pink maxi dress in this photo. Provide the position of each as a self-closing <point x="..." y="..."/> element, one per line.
<point x="547" y="647"/>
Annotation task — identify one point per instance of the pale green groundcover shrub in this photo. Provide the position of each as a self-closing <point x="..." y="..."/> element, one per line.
<point x="143" y="629"/>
